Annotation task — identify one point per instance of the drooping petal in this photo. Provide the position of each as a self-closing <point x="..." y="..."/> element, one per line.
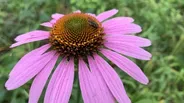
<point x="28" y="59"/>
<point x="126" y="65"/>
<point x="129" y="50"/>
<point x="107" y="14"/>
<point x="36" y="35"/>
<point x="27" y="41"/>
<point x="99" y="83"/>
<point x="56" y="75"/>
<point x="121" y="28"/>
<point x="29" y="72"/>
<point x="128" y="39"/>
<point x="57" y="16"/>
<point x="33" y="34"/>
<point x="112" y="80"/>
<point x="89" y="93"/>
<point x="47" y="24"/>
<point x="40" y="81"/>
<point x="60" y="85"/>
<point x="90" y="89"/>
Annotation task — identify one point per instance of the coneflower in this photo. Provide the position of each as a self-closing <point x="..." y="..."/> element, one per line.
<point x="86" y="39"/>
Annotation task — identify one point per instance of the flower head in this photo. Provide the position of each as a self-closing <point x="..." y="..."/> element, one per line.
<point x="77" y="34"/>
<point x="82" y="37"/>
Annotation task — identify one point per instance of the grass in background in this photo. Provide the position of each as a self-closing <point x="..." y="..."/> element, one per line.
<point x="162" y="22"/>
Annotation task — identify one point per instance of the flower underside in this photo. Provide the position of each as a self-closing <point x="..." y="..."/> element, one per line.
<point x="76" y="35"/>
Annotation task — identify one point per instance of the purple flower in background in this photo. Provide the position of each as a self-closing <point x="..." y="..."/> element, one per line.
<point x="81" y="39"/>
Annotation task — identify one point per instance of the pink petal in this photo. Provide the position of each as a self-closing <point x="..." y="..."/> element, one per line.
<point x="27" y="41"/>
<point x="106" y="14"/>
<point x="47" y="24"/>
<point x="90" y="91"/>
<point x="28" y="73"/>
<point x="57" y="16"/>
<point x="50" y="23"/>
<point x="93" y="15"/>
<point x="99" y="83"/>
<point x="86" y="84"/>
<point x="128" y="39"/>
<point x="40" y="81"/>
<point x="77" y="11"/>
<point x="118" y="20"/>
<point x="121" y="28"/>
<point x="112" y="80"/>
<point x="129" y="50"/>
<point x="60" y="85"/>
<point x="56" y="75"/>
<point x="126" y="65"/>
<point x="53" y="21"/>
<point x="33" y="34"/>
<point x="28" y="60"/>
<point x="36" y="35"/>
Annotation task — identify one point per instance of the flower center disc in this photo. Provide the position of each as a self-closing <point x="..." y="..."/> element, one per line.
<point x="77" y="34"/>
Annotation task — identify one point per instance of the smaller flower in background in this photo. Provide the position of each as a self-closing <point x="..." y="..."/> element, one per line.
<point x="84" y="38"/>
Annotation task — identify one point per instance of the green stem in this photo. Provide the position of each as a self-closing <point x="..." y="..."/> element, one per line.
<point x="78" y="94"/>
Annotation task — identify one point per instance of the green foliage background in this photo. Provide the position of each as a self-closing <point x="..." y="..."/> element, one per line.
<point x="162" y="22"/>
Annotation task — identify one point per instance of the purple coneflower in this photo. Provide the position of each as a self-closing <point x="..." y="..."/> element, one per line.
<point x="81" y="39"/>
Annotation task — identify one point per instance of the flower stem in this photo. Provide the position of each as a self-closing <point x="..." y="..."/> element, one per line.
<point x="78" y="93"/>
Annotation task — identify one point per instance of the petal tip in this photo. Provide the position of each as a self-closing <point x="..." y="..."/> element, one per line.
<point x="150" y="55"/>
<point x="115" y="10"/>
<point x="46" y="24"/>
<point x="7" y="86"/>
<point x="148" y="43"/>
<point x="139" y="29"/>
<point x="146" y="81"/>
<point x="12" y="46"/>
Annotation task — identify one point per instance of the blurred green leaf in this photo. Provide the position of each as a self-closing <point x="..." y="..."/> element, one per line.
<point x="162" y="22"/>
